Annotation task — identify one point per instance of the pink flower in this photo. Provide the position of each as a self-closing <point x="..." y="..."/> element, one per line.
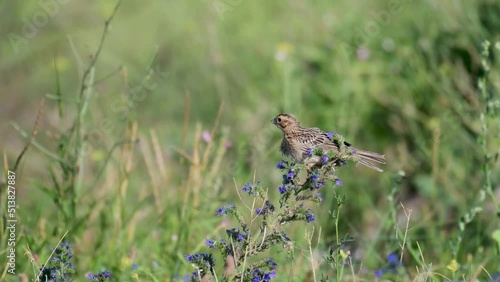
<point x="206" y="136"/>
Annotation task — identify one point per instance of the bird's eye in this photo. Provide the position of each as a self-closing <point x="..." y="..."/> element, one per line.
<point x="279" y="119"/>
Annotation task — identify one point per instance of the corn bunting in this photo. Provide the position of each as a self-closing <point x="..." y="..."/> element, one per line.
<point x="299" y="142"/>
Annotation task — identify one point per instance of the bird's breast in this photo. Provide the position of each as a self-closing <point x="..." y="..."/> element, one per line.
<point x="290" y="149"/>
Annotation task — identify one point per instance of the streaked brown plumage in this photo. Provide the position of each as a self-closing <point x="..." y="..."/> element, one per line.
<point x="297" y="140"/>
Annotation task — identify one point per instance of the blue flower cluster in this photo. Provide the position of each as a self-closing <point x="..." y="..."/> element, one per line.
<point x="268" y="208"/>
<point x="282" y="165"/>
<point x="294" y="192"/>
<point x="60" y="265"/>
<point x="250" y="187"/>
<point x="310" y="216"/>
<point x="393" y="264"/>
<point x="236" y="234"/>
<point x="211" y="243"/>
<point x="338" y="182"/>
<point x="283" y="189"/>
<point x="324" y="158"/>
<point x="316" y="183"/>
<point x="271" y="264"/>
<point x="226" y="209"/>
<point x="222" y="245"/>
<point x="259" y="275"/>
<point x="315" y="177"/>
<point x="202" y="259"/>
<point x="99" y="277"/>
<point x="495" y="277"/>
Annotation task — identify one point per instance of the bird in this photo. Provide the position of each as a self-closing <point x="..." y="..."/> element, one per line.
<point x="298" y="143"/>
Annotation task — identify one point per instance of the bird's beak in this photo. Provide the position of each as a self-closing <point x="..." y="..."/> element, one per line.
<point x="273" y="121"/>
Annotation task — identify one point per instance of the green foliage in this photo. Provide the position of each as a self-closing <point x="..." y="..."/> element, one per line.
<point x="148" y="129"/>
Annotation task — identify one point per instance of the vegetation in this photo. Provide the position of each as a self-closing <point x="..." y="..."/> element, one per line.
<point x="139" y="144"/>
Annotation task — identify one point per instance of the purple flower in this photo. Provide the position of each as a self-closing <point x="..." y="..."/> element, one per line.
<point x="60" y="265"/>
<point x="290" y="174"/>
<point x="105" y="274"/>
<point x="250" y="187"/>
<point x="268" y="276"/>
<point x="221" y="211"/>
<point x="235" y="234"/>
<point x="324" y="158"/>
<point x="247" y="187"/>
<point x="90" y="276"/>
<point x="259" y="275"/>
<point x="329" y="135"/>
<point x="494" y="277"/>
<point x="392" y="259"/>
<point x="318" y="185"/>
<point x="189" y="257"/>
<point x="271" y="263"/>
<point x="258" y="211"/>
<point x="207" y="137"/>
<point x="394" y="263"/>
<point x="281" y="165"/>
<point x="225" y="210"/>
<point x="338" y="182"/>
<point x="134" y="266"/>
<point x="314" y="177"/>
<point x="310" y="217"/>
<point x="202" y="259"/>
<point x="283" y="189"/>
<point x="309" y="152"/>
<point x="210" y="243"/>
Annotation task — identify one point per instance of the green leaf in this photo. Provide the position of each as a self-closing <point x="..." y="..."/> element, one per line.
<point x="496" y="236"/>
<point x="47" y="190"/>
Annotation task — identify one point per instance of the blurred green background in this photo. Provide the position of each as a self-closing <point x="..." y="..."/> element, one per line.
<point x="398" y="77"/>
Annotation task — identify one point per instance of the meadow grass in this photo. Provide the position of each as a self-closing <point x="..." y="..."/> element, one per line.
<point x="146" y="121"/>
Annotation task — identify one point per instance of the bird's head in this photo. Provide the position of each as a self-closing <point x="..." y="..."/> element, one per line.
<point x="285" y="122"/>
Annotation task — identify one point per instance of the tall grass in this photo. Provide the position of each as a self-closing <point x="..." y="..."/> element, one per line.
<point x="131" y="173"/>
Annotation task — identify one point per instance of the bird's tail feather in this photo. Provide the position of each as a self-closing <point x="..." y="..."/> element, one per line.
<point x="368" y="158"/>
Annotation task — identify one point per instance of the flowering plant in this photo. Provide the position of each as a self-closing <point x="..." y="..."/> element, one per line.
<point x="300" y="186"/>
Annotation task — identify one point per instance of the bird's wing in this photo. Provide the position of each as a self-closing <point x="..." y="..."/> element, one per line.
<point x="312" y="138"/>
<point x="315" y="137"/>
